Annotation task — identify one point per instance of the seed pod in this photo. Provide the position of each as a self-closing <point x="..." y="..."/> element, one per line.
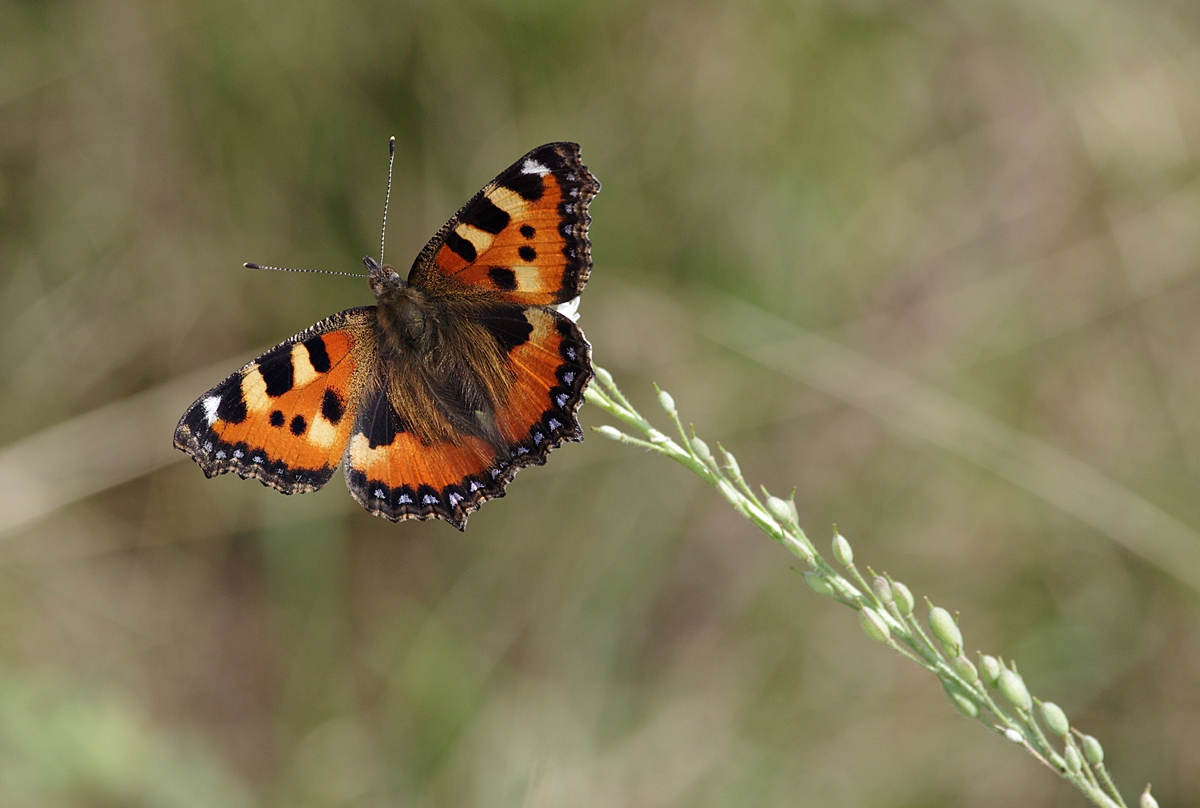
<point x="963" y="667"/>
<point x="991" y="669"/>
<point x="883" y="590"/>
<point x="1146" y="801"/>
<point x="842" y="551"/>
<point x="873" y="625"/>
<point x="960" y="699"/>
<point x="700" y="448"/>
<point x="1092" y="750"/>
<point x="817" y="583"/>
<point x="942" y="624"/>
<point x="731" y="464"/>
<point x="666" y="402"/>
<point x="1055" y="718"/>
<point x="779" y="509"/>
<point x="904" y="598"/>
<point x="1012" y="687"/>
<point x="1074" y="763"/>
<point x="610" y="432"/>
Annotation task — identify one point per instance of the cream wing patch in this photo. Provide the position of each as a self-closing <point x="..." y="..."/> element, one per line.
<point x="254" y="391"/>
<point x="303" y="371"/>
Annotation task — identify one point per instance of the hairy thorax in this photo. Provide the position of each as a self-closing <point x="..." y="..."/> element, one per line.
<point x="445" y="372"/>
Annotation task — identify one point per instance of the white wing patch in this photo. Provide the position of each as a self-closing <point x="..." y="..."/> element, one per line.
<point x="210" y="405"/>
<point x="569" y="309"/>
<point x="534" y="167"/>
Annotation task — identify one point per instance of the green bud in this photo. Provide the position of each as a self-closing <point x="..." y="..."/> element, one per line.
<point x="700" y="449"/>
<point x="779" y="509"/>
<point x="960" y="699"/>
<point x="1074" y="763"/>
<point x="873" y="625"/>
<point x="1012" y="687"/>
<point x="963" y="667"/>
<point x="610" y="432"/>
<point x="603" y="375"/>
<point x="942" y="624"/>
<point x="883" y="590"/>
<point x="1092" y="750"/>
<point x="731" y="463"/>
<point x="1014" y="736"/>
<point x="904" y="598"/>
<point x="842" y="551"/>
<point x="817" y="583"/>
<point x="1146" y="801"/>
<point x="991" y="669"/>
<point x="666" y="402"/>
<point x="1055" y="718"/>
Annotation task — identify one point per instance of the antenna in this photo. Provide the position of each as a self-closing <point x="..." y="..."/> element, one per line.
<point x="315" y="271"/>
<point x="388" y="196"/>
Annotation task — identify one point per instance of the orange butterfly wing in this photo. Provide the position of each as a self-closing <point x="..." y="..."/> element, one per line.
<point x="285" y="417"/>
<point x="524" y="236"/>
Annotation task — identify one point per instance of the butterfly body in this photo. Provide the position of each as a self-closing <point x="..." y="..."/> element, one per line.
<point x="458" y="377"/>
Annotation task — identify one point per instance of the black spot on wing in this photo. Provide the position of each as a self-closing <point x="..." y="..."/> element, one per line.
<point x="508" y="326"/>
<point x="298" y="425"/>
<point x="527" y="231"/>
<point x="527" y="253"/>
<point x="461" y="247"/>
<point x="277" y="418"/>
<point x="482" y="213"/>
<point x="529" y="187"/>
<point x="317" y="354"/>
<point x="504" y="278"/>
<point x="277" y="373"/>
<point x="332" y="407"/>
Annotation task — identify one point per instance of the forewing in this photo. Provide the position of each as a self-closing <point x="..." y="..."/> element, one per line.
<point x="285" y="417"/>
<point x="523" y="237"/>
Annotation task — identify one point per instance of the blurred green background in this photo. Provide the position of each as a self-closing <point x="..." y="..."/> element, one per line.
<point x="999" y="200"/>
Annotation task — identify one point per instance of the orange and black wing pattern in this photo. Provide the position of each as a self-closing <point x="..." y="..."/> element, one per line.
<point x="285" y="417"/>
<point x="434" y="399"/>
<point x="393" y="473"/>
<point x="524" y="236"/>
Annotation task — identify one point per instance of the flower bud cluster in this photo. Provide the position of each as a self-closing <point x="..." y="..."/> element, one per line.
<point x="885" y="608"/>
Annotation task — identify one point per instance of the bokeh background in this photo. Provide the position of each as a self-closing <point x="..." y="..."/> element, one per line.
<point x="991" y="205"/>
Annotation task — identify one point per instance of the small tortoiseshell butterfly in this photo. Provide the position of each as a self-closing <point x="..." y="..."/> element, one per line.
<point x="436" y="396"/>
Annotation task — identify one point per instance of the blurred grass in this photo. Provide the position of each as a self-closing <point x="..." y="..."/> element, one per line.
<point x="998" y="199"/>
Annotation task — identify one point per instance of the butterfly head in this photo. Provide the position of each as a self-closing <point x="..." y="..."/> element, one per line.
<point x="403" y="310"/>
<point x="382" y="277"/>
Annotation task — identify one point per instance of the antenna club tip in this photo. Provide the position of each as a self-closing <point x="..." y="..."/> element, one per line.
<point x="249" y="265"/>
<point x="392" y="143"/>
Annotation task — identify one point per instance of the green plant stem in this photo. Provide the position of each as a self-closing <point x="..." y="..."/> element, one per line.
<point x="905" y="634"/>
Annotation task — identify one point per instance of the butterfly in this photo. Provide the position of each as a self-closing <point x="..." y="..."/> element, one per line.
<point x="457" y="378"/>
